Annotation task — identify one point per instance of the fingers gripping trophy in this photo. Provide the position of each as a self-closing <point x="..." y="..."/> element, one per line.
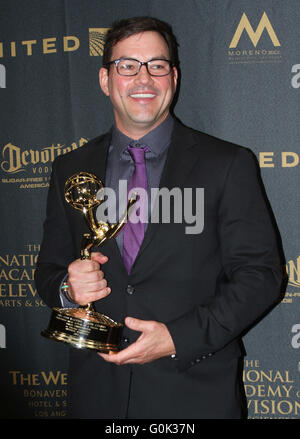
<point x="84" y="327"/>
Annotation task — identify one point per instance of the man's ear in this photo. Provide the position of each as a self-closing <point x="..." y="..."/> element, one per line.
<point x="103" y="80"/>
<point x="175" y="76"/>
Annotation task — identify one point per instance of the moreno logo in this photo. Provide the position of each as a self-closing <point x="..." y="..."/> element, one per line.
<point x="254" y="35"/>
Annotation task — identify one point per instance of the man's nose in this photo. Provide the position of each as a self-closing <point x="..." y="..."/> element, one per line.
<point x="143" y="75"/>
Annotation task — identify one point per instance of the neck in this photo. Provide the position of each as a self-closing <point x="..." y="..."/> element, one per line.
<point x="138" y="131"/>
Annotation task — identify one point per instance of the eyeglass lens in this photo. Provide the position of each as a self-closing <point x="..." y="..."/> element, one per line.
<point x="156" y="67"/>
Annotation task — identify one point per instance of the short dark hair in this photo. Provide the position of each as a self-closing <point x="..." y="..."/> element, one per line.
<point x="135" y="25"/>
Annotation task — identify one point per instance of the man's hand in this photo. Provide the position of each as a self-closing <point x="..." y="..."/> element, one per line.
<point x="154" y="342"/>
<point x="86" y="279"/>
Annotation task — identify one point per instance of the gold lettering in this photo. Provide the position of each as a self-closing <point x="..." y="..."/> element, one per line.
<point x="266" y="159"/>
<point x="293" y="271"/>
<point x="281" y="407"/>
<point x="261" y="390"/>
<point x="16" y="274"/>
<point x="3" y="275"/>
<point x="254" y="376"/>
<point x="49" y="45"/>
<point x="264" y="405"/>
<point x="27" y="275"/>
<point x="287" y="390"/>
<point x="45" y="156"/>
<point x="32" y="290"/>
<point x="73" y="39"/>
<point x="52" y="149"/>
<point x="29" y="46"/>
<point x="249" y="390"/>
<point x="34" y="379"/>
<point x="5" y="261"/>
<point x="283" y="378"/>
<point x="17" y="290"/>
<point x="15" y="161"/>
<point x="24" y="154"/>
<point x="2" y="290"/>
<point x="272" y="407"/>
<point x="289" y="164"/>
<point x="33" y="247"/>
<point x="11" y="274"/>
<point x="251" y="363"/>
<point x="21" y="290"/>
<point x="14" y="260"/>
<point x="264" y="375"/>
<point x="14" y="374"/>
<point x="34" y="156"/>
<point x="51" y="378"/>
<point x="13" y="48"/>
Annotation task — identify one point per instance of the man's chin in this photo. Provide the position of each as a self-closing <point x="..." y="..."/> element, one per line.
<point x="147" y="120"/>
<point x="140" y="123"/>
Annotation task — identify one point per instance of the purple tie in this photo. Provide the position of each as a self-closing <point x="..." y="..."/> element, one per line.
<point x="134" y="231"/>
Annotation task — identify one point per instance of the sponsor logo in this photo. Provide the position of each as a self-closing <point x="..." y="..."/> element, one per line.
<point x="17" y="286"/>
<point x="293" y="270"/>
<point x="34" y="162"/>
<point x="295" y="342"/>
<point x="252" y="50"/>
<point x="56" y="44"/>
<point x="271" y="393"/>
<point x="254" y="36"/>
<point x="43" y="393"/>
<point x="96" y="40"/>
<point x="45" y="46"/>
<point x="295" y="81"/>
<point x="293" y="288"/>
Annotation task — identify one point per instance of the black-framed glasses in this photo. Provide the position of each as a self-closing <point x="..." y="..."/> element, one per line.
<point x="131" y="66"/>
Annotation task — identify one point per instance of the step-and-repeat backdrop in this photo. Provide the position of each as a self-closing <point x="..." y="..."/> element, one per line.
<point x="240" y="81"/>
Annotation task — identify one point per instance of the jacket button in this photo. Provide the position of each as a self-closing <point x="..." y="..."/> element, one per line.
<point x="130" y="289"/>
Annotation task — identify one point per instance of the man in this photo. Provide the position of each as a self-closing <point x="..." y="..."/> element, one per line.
<point x="186" y="298"/>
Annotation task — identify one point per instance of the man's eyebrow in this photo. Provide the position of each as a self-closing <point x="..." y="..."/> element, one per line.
<point x="150" y="59"/>
<point x="159" y="57"/>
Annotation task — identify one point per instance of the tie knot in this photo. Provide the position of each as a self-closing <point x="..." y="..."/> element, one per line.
<point x="138" y="153"/>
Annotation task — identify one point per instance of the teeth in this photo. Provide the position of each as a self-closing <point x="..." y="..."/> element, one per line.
<point x="142" y="95"/>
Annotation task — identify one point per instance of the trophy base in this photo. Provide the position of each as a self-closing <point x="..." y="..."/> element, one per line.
<point x="84" y="329"/>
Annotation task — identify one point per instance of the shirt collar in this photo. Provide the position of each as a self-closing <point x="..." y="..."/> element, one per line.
<point x="157" y="140"/>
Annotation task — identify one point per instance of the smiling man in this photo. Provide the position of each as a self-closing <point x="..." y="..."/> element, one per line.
<point x="185" y="299"/>
<point x="141" y="101"/>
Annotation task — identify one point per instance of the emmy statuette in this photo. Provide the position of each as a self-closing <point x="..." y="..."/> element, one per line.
<point x="84" y="327"/>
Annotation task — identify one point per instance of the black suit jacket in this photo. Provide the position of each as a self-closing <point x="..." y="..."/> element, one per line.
<point x="208" y="288"/>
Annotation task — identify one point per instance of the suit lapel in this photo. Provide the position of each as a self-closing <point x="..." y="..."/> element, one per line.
<point x="111" y="244"/>
<point x="97" y="159"/>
